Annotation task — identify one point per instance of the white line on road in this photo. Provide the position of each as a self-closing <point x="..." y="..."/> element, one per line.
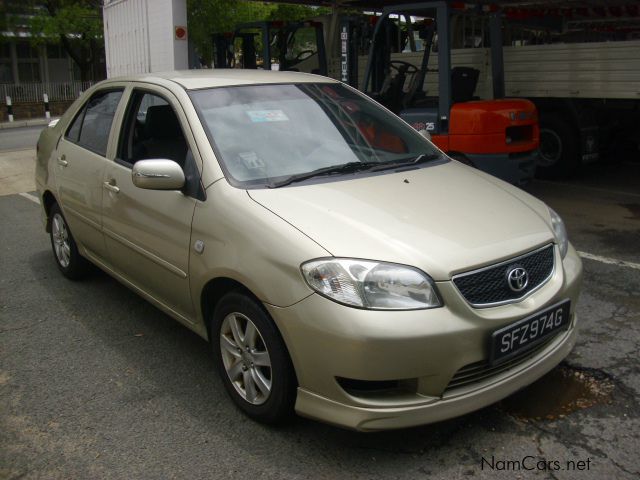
<point x="28" y="196"/>
<point x="610" y="261"/>
<point x="587" y="187"/>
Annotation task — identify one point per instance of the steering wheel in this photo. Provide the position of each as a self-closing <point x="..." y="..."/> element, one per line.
<point x="303" y="55"/>
<point x="397" y="65"/>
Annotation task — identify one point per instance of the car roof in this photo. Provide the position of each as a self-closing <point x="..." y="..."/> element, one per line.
<point x="222" y="77"/>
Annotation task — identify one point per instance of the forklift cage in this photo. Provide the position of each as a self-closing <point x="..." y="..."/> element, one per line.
<point x="440" y="11"/>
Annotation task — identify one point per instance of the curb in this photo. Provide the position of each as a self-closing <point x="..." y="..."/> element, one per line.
<point x="35" y="122"/>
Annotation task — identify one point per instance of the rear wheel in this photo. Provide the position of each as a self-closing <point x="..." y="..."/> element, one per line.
<point x="252" y="359"/>
<point x="65" y="251"/>
<point x="559" y="148"/>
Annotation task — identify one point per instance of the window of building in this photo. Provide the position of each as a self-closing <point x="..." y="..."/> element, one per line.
<point x="28" y="63"/>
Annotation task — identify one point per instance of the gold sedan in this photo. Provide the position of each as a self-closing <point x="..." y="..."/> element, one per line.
<point x="339" y="263"/>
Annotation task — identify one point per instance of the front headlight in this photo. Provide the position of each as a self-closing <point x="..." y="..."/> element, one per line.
<point x="371" y="285"/>
<point x="560" y="232"/>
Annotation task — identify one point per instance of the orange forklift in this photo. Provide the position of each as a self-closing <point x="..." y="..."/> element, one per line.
<point x="499" y="136"/>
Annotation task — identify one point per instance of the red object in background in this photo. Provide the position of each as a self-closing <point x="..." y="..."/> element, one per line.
<point x="482" y="127"/>
<point x="181" y="33"/>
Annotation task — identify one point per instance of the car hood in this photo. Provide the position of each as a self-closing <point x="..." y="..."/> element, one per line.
<point x="443" y="219"/>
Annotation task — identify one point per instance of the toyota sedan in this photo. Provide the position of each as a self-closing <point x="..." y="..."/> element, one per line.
<point x="340" y="265"/>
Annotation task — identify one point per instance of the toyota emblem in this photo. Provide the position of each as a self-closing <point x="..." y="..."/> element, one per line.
<point x="517" y="278"/>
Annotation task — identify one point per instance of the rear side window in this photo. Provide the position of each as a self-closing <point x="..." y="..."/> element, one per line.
<point x="92" y="125"/>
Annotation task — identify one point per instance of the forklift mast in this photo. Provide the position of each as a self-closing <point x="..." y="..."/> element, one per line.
<point x="440" y="11"/>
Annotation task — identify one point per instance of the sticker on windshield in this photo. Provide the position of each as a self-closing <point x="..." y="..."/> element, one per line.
<point x="259" y="116"/>
<point x="251" y="160"/>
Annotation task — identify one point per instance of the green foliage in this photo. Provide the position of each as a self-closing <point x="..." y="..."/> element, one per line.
<point x="74" y="24"/>
<point x="217" y="16"/>
<point x="80" y="21"/>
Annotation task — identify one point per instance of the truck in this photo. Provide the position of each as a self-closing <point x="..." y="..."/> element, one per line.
<point x="580" y="67"/>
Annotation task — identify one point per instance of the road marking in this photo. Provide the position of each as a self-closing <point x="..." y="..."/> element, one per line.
<point x="586" y="187"/>
<point x="610" y="261"/>
<point x="28" y="196"/>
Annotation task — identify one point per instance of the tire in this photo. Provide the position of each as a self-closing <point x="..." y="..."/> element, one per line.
<point x="559" y="148"/>
<point x="65" y="251"/>
<point x="252" y="359"/>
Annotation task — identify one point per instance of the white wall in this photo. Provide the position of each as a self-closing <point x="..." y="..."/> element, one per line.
<point x="139" y="36"/>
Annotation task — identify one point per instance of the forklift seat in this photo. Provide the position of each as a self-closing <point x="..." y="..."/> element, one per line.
<point x="463" y="83"/>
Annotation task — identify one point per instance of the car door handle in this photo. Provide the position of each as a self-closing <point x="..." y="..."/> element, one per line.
<point x="111" y="186"/>
<point x="62" y="161"/>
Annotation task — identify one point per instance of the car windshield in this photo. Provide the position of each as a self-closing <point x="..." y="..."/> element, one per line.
<point x="273" y="135"/>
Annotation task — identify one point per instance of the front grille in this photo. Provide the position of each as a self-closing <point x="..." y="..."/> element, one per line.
<point x="489" y="286"/>
<point x="478" y="371"/>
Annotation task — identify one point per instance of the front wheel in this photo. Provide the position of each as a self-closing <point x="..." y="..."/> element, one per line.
<point x="252" y="359"/>
<point x="65" y="251"/>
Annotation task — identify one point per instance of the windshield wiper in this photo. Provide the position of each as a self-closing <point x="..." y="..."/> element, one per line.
<point x="350" y="167"/>
<point x="422" y="158"/>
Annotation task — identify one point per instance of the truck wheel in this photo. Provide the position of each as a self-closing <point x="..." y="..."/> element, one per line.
<point x="559" y="148"/>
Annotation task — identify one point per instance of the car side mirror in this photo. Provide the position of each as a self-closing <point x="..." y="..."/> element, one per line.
<point x="157" y="174"/>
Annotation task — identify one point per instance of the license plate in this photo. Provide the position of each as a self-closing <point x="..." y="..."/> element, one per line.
<point x="524" y="334"/>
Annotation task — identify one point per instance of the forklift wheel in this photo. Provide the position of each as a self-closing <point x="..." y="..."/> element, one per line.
<point x="559" y="148"/>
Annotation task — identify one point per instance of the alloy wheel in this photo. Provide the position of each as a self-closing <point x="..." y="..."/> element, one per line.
<point x="61" y="244"/>
<point x="245" y="358"/>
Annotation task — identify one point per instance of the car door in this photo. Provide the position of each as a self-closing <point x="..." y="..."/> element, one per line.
<point x="148" y="232"/>
<point x="79" y="168"/>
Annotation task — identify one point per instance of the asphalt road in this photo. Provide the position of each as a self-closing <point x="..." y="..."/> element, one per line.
<point x="97" y="383"/>
<point x="19" y="138"/>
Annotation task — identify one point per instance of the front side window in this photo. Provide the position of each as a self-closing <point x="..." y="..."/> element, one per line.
<point x="92" y="125"/>
<point x="267" y="134"/>
<point x="151" y="130"/>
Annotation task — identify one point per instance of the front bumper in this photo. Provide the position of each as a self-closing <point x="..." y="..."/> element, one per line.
<point x="515" y="168"/>
<point x="422" y="349"/>
<point x="370" y="419"/>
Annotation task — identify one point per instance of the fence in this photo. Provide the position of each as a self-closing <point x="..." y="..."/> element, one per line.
<point x="33" y="92"/>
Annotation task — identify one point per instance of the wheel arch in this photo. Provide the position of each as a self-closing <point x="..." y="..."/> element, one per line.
<point x="215" y="289"/>
<point x="212" y="293"/>
<point x="48" y="200"/>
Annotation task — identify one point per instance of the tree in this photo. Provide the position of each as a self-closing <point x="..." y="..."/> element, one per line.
<point x="76" y="25"/>
<point x="217" y="16"/>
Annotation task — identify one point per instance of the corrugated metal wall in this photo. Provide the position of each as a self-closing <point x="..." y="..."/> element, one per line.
<point x="571" y="70"/>
<point x="126" y="37"/>
<point x="576" y="70"/>
<point x="139" y="36"/>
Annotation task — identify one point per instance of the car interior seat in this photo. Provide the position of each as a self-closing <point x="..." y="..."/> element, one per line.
<point x="163" y="137"/>
<point x="463" y="83"/>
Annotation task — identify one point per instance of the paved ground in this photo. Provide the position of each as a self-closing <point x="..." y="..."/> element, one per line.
<point x="96" y="383"/>
<point x="19" y="138"/>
